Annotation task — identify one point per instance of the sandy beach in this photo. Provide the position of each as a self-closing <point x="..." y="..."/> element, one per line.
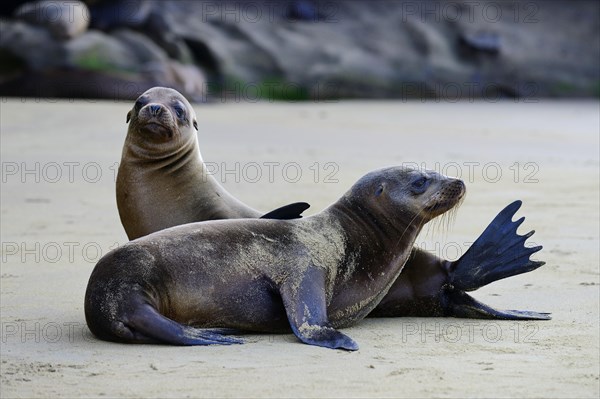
<point x="59" y="215"/>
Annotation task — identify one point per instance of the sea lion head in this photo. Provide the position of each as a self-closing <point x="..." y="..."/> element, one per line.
<point x="162" y="115"/>
<point x="405" y="195"/>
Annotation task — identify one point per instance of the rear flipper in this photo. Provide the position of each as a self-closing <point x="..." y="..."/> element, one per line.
<point x="498" y="253"/>
<point x="146" y="325"/>
<point x="458" y="303"/>
<point x="291" y="211"/>
<point x="432" y="287"/>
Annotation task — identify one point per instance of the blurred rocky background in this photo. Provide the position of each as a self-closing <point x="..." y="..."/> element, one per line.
<point x="300" y="50"/>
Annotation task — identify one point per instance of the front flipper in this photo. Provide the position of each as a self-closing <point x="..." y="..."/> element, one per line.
<point x="306" y="310"/>
<point x="458" y="303"/>
<point x="499" y="252"/>
<point x="291" y="211"/>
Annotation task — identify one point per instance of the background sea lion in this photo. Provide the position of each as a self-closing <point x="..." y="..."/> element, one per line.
<point x="314" y="274"/>
<point x="162" y="180"/>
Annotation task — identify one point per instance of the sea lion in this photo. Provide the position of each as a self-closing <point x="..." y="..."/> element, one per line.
<point x="312" y="275"/>
<point x="162" y="180"/>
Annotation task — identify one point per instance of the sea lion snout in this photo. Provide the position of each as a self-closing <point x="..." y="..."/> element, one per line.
<point x="459" y="186"/>
<point x="150" y="112"/>
<point x="453" y="189"/>
<point x="450" y="193"/>
<point x="156" y="119"/>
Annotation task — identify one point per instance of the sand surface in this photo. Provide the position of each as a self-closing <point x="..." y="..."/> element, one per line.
<point x="59" y="215"/>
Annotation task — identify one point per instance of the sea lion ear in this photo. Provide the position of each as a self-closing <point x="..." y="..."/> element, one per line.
<point x="195" y="125"/>
<point x="128" y="117"/>
<point x="380" y="190"/>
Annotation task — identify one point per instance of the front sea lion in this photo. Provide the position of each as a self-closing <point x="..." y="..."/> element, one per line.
<point x="162" y="180"/>
<point x="314" y="274"/>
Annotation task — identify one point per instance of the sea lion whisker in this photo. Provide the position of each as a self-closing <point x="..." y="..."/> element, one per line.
<point x="409" y="225"/>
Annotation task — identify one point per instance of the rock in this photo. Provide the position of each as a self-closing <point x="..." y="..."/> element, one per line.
<point x="98" y="65"/>
<point x="483" y="42"/>
<point x="187" y="79"/>
<point x="107" y="15"/>
<point x="140" y="46"/>
<point x="63" y="19"/>
<point x="70" y="83"/>
<point x="31" y="44"/>
<point x="328" y="49"/>
<point x="99" y="51"/>
<point x="302" y="10"/>
<point x="190" y="80"/>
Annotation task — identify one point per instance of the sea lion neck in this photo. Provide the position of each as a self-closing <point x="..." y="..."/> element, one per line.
<point x="375" y="253"/>
<point x="139" y="151"/>
<point x="392" y="234"/>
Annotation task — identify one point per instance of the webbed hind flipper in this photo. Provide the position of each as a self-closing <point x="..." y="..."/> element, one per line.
<point x="307" y="312"/>
<point x="146" y="325"/>
<point x="498" y="253"/>
<point x="458" y="303"/>
<point x="433" y="287"/>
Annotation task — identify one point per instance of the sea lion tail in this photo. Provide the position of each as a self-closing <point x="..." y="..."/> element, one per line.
<point x="291" y="211"/>
<point x="498" y="253"/>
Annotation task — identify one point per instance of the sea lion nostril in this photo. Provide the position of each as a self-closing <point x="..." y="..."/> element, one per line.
<point x="154" y="109"/>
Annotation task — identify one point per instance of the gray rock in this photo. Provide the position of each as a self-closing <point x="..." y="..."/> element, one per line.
<point x="140" y="46"/>
<point x="387" y="49"/>
<point x="63" y="19"/>
<point x="329" y="49"/>
<point x="185" y="78"/>
<point x="33" y="45"/>
<point x="98" y="51"/>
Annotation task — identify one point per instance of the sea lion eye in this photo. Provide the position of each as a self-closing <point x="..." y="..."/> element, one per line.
<point x="139" y="104"/>
<point x="420" y="185"/>
<point x="179" y="111"/>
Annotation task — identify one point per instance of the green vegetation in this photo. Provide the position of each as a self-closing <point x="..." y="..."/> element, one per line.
<point x="276" y="89"/>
